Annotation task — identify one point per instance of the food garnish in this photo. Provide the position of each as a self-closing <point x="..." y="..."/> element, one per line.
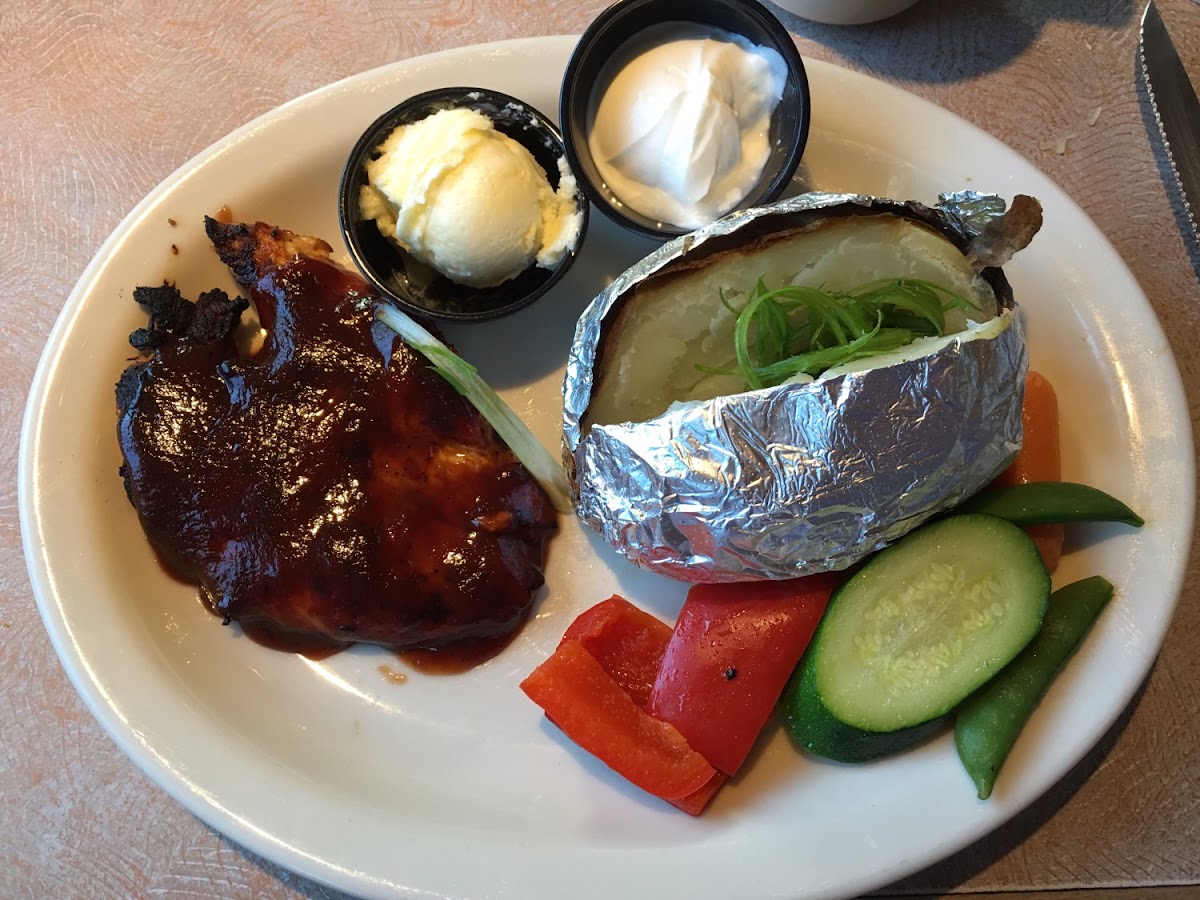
<point x="800" y="330"/>
<point x="465" y="379"/>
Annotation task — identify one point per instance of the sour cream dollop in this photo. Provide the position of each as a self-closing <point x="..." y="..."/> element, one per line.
<point x="681" y="119"/>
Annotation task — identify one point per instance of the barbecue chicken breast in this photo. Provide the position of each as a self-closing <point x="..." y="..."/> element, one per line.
<point x="331" y="488"/>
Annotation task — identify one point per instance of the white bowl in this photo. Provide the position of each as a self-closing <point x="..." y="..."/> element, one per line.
<point x="844" y="12"/>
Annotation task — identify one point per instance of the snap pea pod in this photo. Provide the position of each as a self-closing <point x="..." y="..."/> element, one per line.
<point x="988" y="722"/>
<point x="1039" y="503"/>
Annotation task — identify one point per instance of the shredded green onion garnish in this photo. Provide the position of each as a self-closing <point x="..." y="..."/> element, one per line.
<point x="807" y="330"/>
<point x="465" y="379"/>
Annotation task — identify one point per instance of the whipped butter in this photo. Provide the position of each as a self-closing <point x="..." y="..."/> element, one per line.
<point x="468" y="200"/>
<point x="680" y="128"/>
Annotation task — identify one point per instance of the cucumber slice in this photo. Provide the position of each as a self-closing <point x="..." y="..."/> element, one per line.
<point x="927" y="621"/>
<point x="814" y="728"/>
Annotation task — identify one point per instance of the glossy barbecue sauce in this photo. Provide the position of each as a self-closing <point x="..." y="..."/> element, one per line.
<point x="457" y="657"/>
<point x="333" y="488"/>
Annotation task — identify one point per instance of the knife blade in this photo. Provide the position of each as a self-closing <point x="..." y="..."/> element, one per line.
<point x="1176" y="109"/>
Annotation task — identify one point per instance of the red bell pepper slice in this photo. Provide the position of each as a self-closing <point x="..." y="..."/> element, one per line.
<point x="627" y="642"/>
<point x="695" y="802"/>
<point x="733" y="649"/>
<point x="593" y="710"/>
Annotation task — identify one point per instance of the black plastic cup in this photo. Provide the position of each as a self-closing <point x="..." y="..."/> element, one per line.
<point x="413" y="286"/>
<point x="625" y="20"/>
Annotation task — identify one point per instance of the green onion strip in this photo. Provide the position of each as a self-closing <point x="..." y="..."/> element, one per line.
<point x="790" y="330"/>
<point x="463" y="377"/>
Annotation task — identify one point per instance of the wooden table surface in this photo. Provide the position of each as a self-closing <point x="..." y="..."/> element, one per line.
<point x="100" y="101"/>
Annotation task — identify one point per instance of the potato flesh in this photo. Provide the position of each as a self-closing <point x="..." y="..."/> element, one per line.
<point x="665" y="330"/>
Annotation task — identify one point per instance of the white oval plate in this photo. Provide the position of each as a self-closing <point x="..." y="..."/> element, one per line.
<point x="457" y="786"/>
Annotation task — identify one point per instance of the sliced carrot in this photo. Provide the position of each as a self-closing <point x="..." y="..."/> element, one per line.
<point x="1039" y="459"/>
<point x="1049" y="540"/>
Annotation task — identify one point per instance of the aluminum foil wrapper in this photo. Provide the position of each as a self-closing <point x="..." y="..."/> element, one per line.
<point x="799" y="478"/>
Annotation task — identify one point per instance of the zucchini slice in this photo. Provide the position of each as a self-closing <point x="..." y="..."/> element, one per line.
<point x="927" y="621"/>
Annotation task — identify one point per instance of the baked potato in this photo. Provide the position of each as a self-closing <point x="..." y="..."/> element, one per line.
<point x="690" y="464"/>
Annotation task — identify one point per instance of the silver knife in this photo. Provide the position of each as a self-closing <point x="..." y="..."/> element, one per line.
<point x="1175" y="107"/>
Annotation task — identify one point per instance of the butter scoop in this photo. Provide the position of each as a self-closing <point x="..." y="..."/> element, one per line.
<point x="468" y="201"/>
<point x="456" y="226"/>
